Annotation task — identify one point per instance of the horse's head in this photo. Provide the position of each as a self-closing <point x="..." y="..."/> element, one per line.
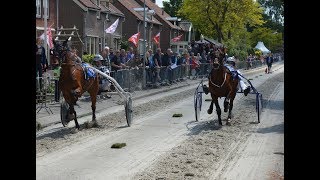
<point x="61" y="51"/>
<point x="217" y="57"/>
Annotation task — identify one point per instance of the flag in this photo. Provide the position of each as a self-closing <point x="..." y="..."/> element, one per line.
<point x="157" y="38"/>
<point x="135" y="38"/>
<point x="113" y="27"/>
<point x="176" y="39"/>
<point x="49" y="38"/>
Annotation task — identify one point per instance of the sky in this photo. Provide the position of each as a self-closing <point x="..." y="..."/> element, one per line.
<point x="159" y="2"/>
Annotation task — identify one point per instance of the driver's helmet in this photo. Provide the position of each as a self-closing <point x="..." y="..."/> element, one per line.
<point x="97" y="57"/>
<point x="231" y="60"/>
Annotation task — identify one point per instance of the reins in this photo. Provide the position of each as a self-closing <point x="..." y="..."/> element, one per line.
<point x="225" y="77"/>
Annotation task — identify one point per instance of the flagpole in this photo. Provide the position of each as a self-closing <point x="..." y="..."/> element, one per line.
<point x="45" y="30"/>
<point x="144" y="45"/>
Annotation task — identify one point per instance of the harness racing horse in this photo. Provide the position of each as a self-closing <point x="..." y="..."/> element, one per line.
<point x="74" y="81"/>
<point x="221" y="84"/>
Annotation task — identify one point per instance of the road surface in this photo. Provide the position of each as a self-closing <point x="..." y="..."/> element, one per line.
<point x="159" y="146"/>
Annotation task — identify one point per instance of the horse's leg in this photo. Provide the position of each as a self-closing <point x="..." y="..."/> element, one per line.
<point x="93" y="91"/>
<point x="230" y="112"/>
<point x="73" y="112"/>
<point x="209" y="111"/>
<point x="76" y="121"/>
<point x="218" y="109"/>
<point x="226" y="104"/>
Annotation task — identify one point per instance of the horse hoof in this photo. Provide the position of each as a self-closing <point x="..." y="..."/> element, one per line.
<point x="75" y="130"/>
<point x="95" y="124"/>
<point x="228" y="123"/>
<point x="209" y="111"/>
<point x="220" y="123"/>
<point x="225" y="110"/>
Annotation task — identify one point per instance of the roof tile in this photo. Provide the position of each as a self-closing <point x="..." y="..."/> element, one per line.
<point x="130" y="4"/>
<point x="159" y="12"/>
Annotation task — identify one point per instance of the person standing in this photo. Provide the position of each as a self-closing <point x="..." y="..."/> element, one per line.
<point x="41" y="60"/>
<point x="269" y="61"/>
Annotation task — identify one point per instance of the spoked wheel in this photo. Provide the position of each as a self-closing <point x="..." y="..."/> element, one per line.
<point x="128" y="109"/>
<point x="64" y="111"/>
<point x="259" y="105"/>
<point x="197" y="104"/>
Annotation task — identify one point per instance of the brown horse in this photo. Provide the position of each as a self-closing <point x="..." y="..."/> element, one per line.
<point x="73" y="82"/>
<point x="221" y="84"/>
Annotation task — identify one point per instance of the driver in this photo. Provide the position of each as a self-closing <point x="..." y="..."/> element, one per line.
<point x="230" y="64"/>
<point x="104" y="84"/>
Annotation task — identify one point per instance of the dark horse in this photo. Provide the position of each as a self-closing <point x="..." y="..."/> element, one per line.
<point x="73" y="81"/>
<point x="221" y="84"/>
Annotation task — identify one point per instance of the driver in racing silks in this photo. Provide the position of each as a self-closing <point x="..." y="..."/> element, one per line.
<point x="104" y="83"/>
<point x="230" y="64"/>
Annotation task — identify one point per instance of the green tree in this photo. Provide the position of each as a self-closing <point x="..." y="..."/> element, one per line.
<point x="222" y="18"/>
<point x="172" y="7"/>
<point x="273" y="14"/>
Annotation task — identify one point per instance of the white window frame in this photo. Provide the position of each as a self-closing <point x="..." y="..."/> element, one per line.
<point x="92" y="44"/>
<point x="100" y="44"/>
<point x="48" y="8"/>
<point x="38" y="6"/>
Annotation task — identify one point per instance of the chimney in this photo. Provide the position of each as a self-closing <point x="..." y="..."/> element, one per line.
<point x="162" y="11"/>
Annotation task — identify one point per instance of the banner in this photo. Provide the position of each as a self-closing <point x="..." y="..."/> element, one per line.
<point x="113" y="27"/>
<point x="135" y="39"/>
<point x="157" y="38"/>
<point x="176" y="39"/>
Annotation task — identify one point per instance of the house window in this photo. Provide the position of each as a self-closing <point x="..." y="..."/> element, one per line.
<point x="48" y="9"/>
<point x="100" y="44"/>
<point x="91" y="45"/>
<point x="46" y="3"/>
<point x="38" y="5"/>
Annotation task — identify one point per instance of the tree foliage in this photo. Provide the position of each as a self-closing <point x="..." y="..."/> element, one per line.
<point x="172" y="7"/>
<point x="273" y="14"/>
<point x="221" y="18"/>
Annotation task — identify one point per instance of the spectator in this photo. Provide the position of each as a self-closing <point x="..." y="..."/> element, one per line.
<point x="41" y="60"/>
<point x="157" y="59"/>
<point x="116" y="62"/>
<point x="195" y="66"/>
<point x="269" y="61"/>
<point x="105" y="53"/>
<point x="130" y="54"/>
<point x="167" y="62"/>
<point x="123" y="56"/>
<point x="249" y="61"/>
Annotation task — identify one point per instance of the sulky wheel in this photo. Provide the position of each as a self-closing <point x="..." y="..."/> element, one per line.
<point x="128" y="109"/>
<point x="197" y="104"/>
<point x="259" y="105"/>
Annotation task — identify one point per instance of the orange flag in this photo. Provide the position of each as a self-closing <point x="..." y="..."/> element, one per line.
<point x="157" y="38"/>
<point x="176" y="39"/>
<point x="135" y="39"/>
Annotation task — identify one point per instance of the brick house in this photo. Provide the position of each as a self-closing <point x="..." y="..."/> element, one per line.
<point x="170" y="28"/>
<point x="134" y="23"/>
<point x="91" y="18"/>
<point x="51" y="19"/>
